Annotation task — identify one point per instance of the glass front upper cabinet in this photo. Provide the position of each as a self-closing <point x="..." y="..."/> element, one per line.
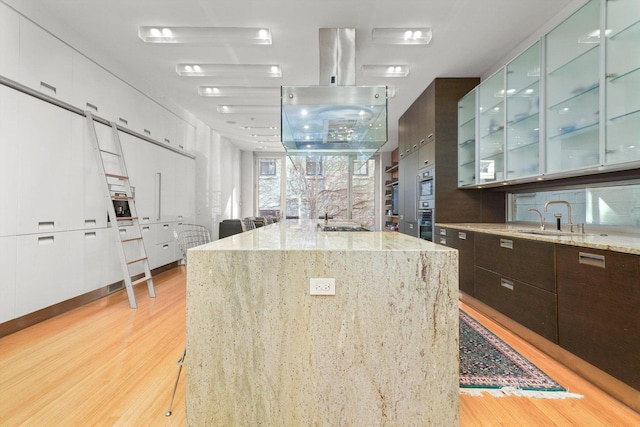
<point x="523" y="114"/>
<point x="467" y="139"/>
<point x="491" y="95"/>
<point x="573" y="91"/>
<point x="623" y="81"/>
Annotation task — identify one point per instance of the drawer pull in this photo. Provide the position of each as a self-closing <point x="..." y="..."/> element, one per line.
<point x="443" y="241"/>
<point x="591" y="259"/>
<point x="90" y="222"/>
<point x="506" y="243"/>
<point x="46" y="225"/>
<point x="92" y="107"/>
<point x="165" y="246"/>
<point x="145" y="228"/>
<point x="49" y="87"/>
<point x="46" y="240"/>
<point x="462" y="236"/>
<point x="123" y="121"/>
<point x="430" y="136"/>
<point x="443" y="231"/>
<point x="415" y="146"/>
<point x="506" y="284"/>
<point x="90" y="235"/>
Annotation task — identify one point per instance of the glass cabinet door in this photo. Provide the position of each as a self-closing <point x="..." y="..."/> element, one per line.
<point x="491" y="128"/>
<point x="467" y="139"/>
<point x="573" y="91"/>
<point x="623" y="81"/>
<point x="523" y="115"/>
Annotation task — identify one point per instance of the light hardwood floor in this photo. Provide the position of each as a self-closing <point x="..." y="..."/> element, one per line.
<point x="105" y="364"/>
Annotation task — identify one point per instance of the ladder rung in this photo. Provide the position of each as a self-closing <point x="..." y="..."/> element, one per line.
<point x="133" y="239"/>
<point x="142" y="279"/>
<point x="109" y="152"/>
<point x="136" y="260"/>
<point x="126" y="218"/>
<point x="113" y="175"/>
<point x="121" y="197"/>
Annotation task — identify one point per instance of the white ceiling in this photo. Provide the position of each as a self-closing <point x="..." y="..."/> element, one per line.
<point x="469" y="37"/>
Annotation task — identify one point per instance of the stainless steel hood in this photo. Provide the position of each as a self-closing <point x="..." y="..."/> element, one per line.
<point x="336" y="115"/>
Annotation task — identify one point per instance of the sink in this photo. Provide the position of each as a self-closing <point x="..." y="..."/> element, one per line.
<point x="551" y="233"/>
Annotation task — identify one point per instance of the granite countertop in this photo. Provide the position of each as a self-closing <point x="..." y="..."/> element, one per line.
<point x="306" y="235"/>
<point x="618" y="242"/>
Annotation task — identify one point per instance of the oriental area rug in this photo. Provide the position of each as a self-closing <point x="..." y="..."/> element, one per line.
<point x="489" y="365"/>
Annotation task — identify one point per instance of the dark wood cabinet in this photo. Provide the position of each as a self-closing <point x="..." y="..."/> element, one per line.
<point x="528" y="305"/>
<point x="463" y="241"/>
<point x="598" y="303"/>
<point x="530" y="261"/>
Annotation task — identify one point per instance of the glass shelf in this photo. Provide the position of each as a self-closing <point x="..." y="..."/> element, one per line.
<point x="567" y="65"/>
<point x="522" y="93"/>
<point x="492" y="135"/>
<point x="493" y="155"/>
<point x="495" y="109"/>
<point x="574" y="132"/>
<point x="528" y="144"/>
<point x="467" y="142"/>
<point x="471" y="163"/>
<point x="523" y="119"/>
<point x="625" y="115"/>
<point x="623" y="75"/>
<point x="632" y="32"/>
<point x="572" y="98"/>
<point x="471" y="121"/>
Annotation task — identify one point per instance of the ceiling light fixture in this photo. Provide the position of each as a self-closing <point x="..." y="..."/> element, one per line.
<point x="414" y="36"/>
<point x="239" y="91"/>
<point x="385" y="70"/>
<point x="206" y="35"/>
<point x="248" y="109"/>
<point x="228" y="70"/>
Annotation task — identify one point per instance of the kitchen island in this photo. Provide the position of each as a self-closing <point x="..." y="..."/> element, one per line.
<point x="261" y="350"/>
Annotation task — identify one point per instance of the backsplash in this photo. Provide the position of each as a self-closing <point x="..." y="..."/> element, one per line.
<point x="613" y="205"/>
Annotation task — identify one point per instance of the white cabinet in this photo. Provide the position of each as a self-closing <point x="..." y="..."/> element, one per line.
<point x="491" y="96"/>
<point x="50" y="186"/>
<point x="48" y="270"/>
<point x="167" y="182"/>
<point x="185" y="189"/>
<point x="573" y="91"/>
<point x="467" y="140"/>
<point x="94" y="245"/>
<point x="523" y="114"/>
<point x="93" y="88"/>
<point x="623" y="82"/>
<point x="9" y="177"/>
<point x="7" y="278"/>
<point x="45" y="62"/>
<point x="9" y="43"/>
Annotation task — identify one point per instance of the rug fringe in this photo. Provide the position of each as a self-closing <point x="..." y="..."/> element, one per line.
<point x="511" y="391"/>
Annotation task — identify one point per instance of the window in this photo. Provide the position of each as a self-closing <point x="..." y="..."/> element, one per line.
<point x="360" y="168"/>
<point x="267" y="167"/>
<point x="314" y="166"/>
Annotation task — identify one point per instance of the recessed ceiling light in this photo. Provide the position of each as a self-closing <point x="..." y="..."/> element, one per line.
<point x="205" y="35"/>
<point x="415" y="36"/>
<point x="385" y="70"/>
<point x="228" y="70"/>
<point x="248" y="109"/>
<point x="238" y="91"/>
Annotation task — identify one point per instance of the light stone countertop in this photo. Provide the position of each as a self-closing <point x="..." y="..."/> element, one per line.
<point x="618" y="242"/>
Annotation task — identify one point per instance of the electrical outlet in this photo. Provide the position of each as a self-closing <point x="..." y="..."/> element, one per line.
<point x="322" y="286"/>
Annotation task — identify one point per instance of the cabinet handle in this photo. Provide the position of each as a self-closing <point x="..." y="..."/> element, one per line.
<point x="145" y="228"/>
<point x="426" y="162"/>
<point x="158" y="195"/>
<point x="90" y="222"/>
<point x="462" y="236"/>
<point x="145" y="219"/>
<point x="443" y="241"/>
<point x="45" y="240"/>
<point x="430" y="136"/>
<point x="46" y="225"/>
<point x="410" y="225"/>
<point x="92" y="107"/>
<point x="407" y="150"/>
<point x="506" y="284"/>
<point x="165" y="226"/>
<point x="591" y="259"/>
<point x="48" y="87"/>
<point x="422" y="141"/>
<point x="123" y="121"/>
<point x="165" y="246"/>
<point x="506" y="243"/>
<point x="123" y="231"/>
<point x="90" y="235"/>
<point x="181" y="147"/>
<point x="443" y="231"/>
<point x="167" y="140"/>
<point x="415" y="146"/>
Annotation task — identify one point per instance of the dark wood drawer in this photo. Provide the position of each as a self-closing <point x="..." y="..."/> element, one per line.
<point x="598" y="303"/>
<point x="528" y="305"/>
<point x="528" y="261"/>
<point x="463" y="241"/>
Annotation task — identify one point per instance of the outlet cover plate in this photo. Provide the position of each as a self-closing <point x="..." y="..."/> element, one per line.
<point x="322" y="286"/>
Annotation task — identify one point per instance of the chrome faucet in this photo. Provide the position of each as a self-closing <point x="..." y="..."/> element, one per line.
<point x="569" y="223"/>
<point x="540" y="215"/>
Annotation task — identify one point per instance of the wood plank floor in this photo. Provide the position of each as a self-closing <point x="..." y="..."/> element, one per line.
<point x="104" y="364"/>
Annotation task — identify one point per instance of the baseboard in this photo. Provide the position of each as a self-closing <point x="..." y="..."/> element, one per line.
<point x="612" y="386"/>
<point x="14" y="325"/>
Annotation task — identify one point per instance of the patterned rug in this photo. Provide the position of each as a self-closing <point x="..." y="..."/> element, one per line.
<point x="489" y="365"/>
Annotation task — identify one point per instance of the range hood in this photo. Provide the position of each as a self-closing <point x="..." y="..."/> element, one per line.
<point x="336" y="115"/>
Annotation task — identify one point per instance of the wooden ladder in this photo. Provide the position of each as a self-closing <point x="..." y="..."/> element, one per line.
<point x="118" y="188"/>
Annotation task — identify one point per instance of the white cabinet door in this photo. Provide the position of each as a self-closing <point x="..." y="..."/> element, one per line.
<point x="185" y="189"/>
<point x="50" y="186"/>
<point x="93" y="88"/>
<point x="45" y="62"/>
<point x="112" y="272"/>
<point x="94" y="247"/>
<point x="7" y="278"/>
<point x="47" y="270"/>
<point x="9" y="43"/>
<point x="167" y="170"/>
<point x="142" y="169"/>
<point x="9" y="137"/>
